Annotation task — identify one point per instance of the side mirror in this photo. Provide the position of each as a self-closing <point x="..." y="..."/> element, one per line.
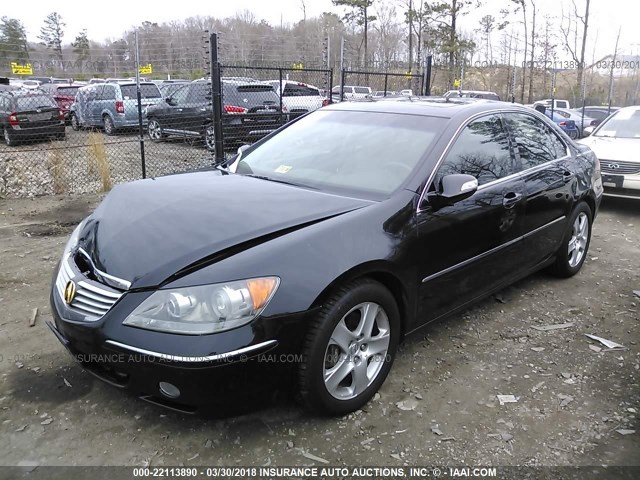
<point x="588" y="130"/>
<point x="453" y="188"/>
<point x="169" y="101"/>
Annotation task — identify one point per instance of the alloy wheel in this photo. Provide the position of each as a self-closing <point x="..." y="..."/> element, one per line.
<point x="108" y="125"/>
<point x="579" y="237"/>
<point x="155" y="131"/>
<point x="356" y="351"/>
<point x="74" y="123"/>
<point x="209" y="138"/>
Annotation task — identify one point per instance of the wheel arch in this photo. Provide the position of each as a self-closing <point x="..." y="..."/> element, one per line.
<point x="382" y="273"/>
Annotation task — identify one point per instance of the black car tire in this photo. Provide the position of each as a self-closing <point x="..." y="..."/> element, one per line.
<point x="9" y="139"/>
<point x="61" y="137"/>
<point x="209" y="138"/>
<point x="154" y="130"/>
<point x="109" y="127"/>
<point x="313" y="390"/>
<point x="565" y="265"/>
<point x="75" y="125"/>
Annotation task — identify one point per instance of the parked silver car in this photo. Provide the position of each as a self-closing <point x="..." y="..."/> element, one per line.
<point x="112" y="106"/>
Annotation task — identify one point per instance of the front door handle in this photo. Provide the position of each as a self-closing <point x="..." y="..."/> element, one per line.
<point x="510" y="199"/>
<point x="567" y="176"/>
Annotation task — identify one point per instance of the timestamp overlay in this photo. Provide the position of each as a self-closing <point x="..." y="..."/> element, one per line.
<point x="33" y="472"/>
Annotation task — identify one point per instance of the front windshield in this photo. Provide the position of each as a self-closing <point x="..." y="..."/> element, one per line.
<point x="358" y="152"/>
<point x="622" y="124"/>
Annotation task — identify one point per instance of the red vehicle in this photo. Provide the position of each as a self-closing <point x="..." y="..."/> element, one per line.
<point x="64" y="95"/>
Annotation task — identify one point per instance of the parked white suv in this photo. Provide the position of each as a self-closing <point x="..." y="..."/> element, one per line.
<point x="298" y="98"/>
<point x="351" y="92"/>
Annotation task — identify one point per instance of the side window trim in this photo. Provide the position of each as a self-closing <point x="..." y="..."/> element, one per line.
<point x="512" y="140"/>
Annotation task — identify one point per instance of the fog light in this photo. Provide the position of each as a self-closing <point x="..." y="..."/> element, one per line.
<point x="169" y="390"/>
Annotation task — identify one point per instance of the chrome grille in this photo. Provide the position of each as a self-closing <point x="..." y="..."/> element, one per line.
<point x="619" y="167"/>
<point x="91" y="299"/>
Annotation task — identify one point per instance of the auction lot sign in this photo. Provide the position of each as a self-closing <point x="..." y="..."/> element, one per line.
<point x="38" y="472"/>
<point x="18" y="69"/>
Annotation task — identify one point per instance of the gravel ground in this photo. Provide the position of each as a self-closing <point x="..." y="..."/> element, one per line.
<point x="438" y="406"/>
<point x="30" y="168"/>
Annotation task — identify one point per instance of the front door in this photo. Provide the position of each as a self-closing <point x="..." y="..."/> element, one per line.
<point x="471" y="247"/>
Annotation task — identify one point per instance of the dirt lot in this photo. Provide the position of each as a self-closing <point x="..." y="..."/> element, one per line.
<point x="571" y="400"/>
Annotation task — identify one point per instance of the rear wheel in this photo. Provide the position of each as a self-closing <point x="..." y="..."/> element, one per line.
<point x="155" y="131"/>
<point x="349" y="348"/>
<point x="9" y="139"/>
<point x="575" y="244"/>
<point x="109" y="127"/>
<point x="210" y="138"/>
<point x="75" y="125"/>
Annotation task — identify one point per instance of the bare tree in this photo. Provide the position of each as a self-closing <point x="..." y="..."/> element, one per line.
<point x="575" y="42"/>
<point x="533" y="47"/>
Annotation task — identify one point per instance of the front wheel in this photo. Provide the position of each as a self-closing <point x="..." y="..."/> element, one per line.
<point x="349" y="348"/>
<point x="155" y="131"/>
<point x="75" y="125"/>
<point x="575" y="244"/>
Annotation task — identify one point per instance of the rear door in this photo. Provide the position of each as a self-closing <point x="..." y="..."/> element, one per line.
<point x="197" y="108"/>
<point x="549" y="179"/>
<point x="256" y="106"/>
<point x="472" y="246"/>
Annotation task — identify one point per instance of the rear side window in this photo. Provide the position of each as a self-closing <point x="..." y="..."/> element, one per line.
<point x="108" y="93"/>
<point x="147" y="90"/>
<point x="536" y="142"/>
<point x="291" y="90"/>
<point x="561" y="104"/>
<point x="199" y="93"/>
<point x="481" y="150"/>
<point x="361" y="90"/>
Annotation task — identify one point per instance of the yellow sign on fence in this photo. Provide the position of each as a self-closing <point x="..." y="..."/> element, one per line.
<point x="456" y="83"/>
<point x="145" y="69"/>
<point x="18" y="69"/>
<point x="298" y="66"/>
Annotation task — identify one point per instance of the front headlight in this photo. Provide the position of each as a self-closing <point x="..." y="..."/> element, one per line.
<point x="73" y="239"/>
<point x="204" y="309"/>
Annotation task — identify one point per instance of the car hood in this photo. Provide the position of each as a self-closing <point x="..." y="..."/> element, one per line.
<point x="149" y="231"/>
<point x="607" y="148"/>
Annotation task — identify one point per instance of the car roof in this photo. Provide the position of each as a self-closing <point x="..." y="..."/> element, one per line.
<point x="427" y="106"/>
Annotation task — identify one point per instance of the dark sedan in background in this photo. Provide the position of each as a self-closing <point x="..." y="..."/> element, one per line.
<point x="251" y="110"/>
<point x="331" y="239"/>
<point x="29" y="116"/>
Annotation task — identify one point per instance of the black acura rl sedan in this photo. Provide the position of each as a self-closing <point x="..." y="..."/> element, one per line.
<point x="319" y="248"/>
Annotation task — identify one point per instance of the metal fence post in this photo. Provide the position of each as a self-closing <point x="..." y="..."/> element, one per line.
<point x="427" y="73"/>
<point x="343" y="76"/>
<point x="330" y="85"/>
<point x="216" y="97"/>
<point x="140" y="128"/>
<point x="386" y="76"/>
<point x="280" y="92"/>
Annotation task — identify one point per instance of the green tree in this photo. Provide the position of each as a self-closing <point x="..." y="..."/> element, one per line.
<point x="52" y="32"/>
<point x="81" y="47"/>
<point x="13" y="40"/>
<point x="359" y="16"/>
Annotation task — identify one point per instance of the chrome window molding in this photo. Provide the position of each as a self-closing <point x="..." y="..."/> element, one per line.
<point x="194" y="359"/>
<point x="494" y="182"/>
<point x="489" y="252"/>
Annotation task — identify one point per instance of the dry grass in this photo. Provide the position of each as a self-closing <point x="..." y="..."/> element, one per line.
<point x="97" y="161"/>
<point x="56" y="166"/>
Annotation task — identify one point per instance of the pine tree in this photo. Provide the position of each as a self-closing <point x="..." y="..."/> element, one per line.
<point x="13" y="40"/>
<point x="52" y="32"/>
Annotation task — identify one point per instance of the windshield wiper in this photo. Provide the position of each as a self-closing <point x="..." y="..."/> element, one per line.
<point x="271" y="179"/>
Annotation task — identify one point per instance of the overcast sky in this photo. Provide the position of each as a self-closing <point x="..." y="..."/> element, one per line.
<point x="108" y="19"/>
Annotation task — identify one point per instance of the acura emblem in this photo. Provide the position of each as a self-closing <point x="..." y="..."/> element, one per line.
<point x="613" y="166"/>
<point x="69" y="292"/>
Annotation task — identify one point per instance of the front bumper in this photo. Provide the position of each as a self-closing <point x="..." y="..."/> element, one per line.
<point x="210" y="371"/>
<point x="628" y="186"/>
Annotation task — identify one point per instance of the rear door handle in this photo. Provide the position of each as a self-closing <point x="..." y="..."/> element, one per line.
<point x="510" y="199"/>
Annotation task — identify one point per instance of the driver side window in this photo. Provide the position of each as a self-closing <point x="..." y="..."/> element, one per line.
<point x="180" y="96"/>
<point x="481" y="150"/>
